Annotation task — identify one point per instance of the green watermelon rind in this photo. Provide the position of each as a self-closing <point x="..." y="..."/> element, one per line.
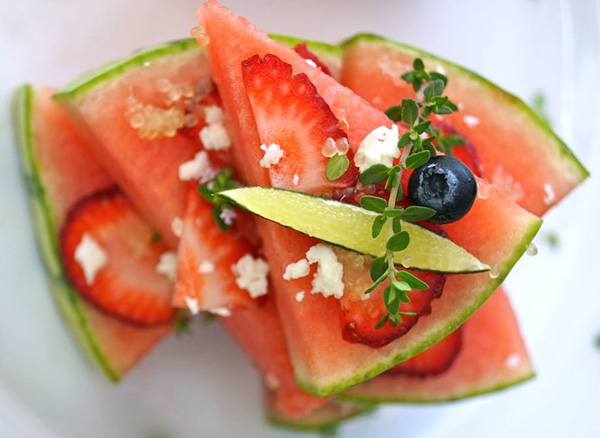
<point x="520" y="107"/>
<point x="373" y="398"/>
<point x="65" y="295"/>
<point x="111" y="70"/>
<point x="318" y="47"/>
<point x="437" y="333"/>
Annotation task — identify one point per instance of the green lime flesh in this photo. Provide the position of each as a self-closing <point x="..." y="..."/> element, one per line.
<point x="349" y="226"/>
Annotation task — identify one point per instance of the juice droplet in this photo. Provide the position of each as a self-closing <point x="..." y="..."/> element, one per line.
<point x="483" y="190"/>
<point x="200" y="34"/>
<point x="532" y="250"/>
<point x="406" y="261"/>
<point x="342" y="145"/>
<point x="494" y="272"/>
<point x="329" y="148"/>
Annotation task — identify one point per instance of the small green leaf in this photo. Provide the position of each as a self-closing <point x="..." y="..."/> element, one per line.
<point x="381" y="322"/>
<point x="433" y="89"/>
<point x="397" y="225"/>
<point x="205" y="192"/>
<point x="393" y="212"/>
<point x="401" y="286"/>
<point x="418" y="64"/>
<point x="404" y="140"/>
<point x="375" y="174"/>
<point x="373" y="203"/>
<point x="378" y="224"/>
<point x="216" y="214"/>
<point x="410" y="111"/>
<point x="154" y="238"/>
<point x="378" y="268"/>
<point x="436" y="75"/>
<point x="398" y="242"/>
<point x="337" y="167"/>
<point x="412" y="281"/>
<point x="376" y="283"/>
<point x="416" y="213"/>
<point x="444" y="109"/>
<point x="417" y="160"/>
<point x="394" y="113"/>
<point x="409" y="76"/>
<point x="423" y="126"/>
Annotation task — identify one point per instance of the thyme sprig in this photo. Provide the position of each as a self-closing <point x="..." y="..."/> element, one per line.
<point x="418" y="145"/>
<point x="222" y="181"/>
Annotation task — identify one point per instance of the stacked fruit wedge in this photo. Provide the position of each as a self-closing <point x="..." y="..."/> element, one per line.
<point x="135" y="171"/>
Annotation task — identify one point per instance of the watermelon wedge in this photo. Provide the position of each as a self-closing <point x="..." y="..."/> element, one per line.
<point x="325" y="419"/>
<point x="493" y="356"/>
<point x="496" y="231"/>
<point x="517" y="151"/>
<point x="59" y="171"/>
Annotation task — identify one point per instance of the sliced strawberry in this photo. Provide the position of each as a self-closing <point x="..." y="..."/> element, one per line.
<point x="433" y="361"/>
<point x="206" y="254"/>
<point x="127" y="285"/>
<point x="359" y="317"/>
<point x="290" y="113"/>
<point x="302" y="50"/>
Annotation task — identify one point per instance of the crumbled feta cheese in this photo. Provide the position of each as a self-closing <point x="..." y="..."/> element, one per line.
<point x="177" y="226"/>
<point x="300" y="296"/>
<point x="328" y="280"/>
<point x="295" y="179"/>
<point x="271" y="381"/>
<point x="273" y="154"/>
<point x="380" y="146"/>
<point x="213" y="114"/>
<point x="167" y="265"/>
<point x="195" y="168"/>
<point x="215" y="137"/>
<point x="227" y="216"/>
<point x="512" y="361"/>
<point x="296" y="270"/>
<point x="90" y="256"/>
<point x="221" y="311"/>
<point x="310" y="62"/>
<point x="206" y="267"/>
<point x="192" y="305"/>
<point x="471" y="121"/>
<point x="251" y="275"/>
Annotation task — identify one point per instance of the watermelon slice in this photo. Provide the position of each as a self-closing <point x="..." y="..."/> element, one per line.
<point x="496" y="231"/>
<point x="59" y="171"/>
<point x="325" y="419"/>
<point x="517" y="151"/>
<point x="136" y="152"/>
<point x="493" y="356"/>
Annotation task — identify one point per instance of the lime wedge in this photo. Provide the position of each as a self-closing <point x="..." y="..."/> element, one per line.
<point x="349" y="226"/>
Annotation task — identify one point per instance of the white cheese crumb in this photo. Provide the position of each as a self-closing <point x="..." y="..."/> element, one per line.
<point x="195" y="168"/>
<point x="177" y="226"/>
<point x="296" y="270"/>
<point x="167" y="265"/>
<point x="221" y="311"/>
<point x="273" y="154"/>
<point x="471" y="121"/>
<point x="295" y="179"/>
<point x="192" y="305"/>
<point x="90" y="256"/>
<point x="512" y="361"/>
<point x="251" y="275"/>
<point x="215" y="137"/>
<point x="213" y="114"/>
<point x="271" y="381"/>
<point x="300" y="296"/>
<point x="310" y="62"/>
<point x="328" y="280"/>
<point x="227" y="216"/>
<point x="206" y="267"/>
<point x="380" y="146"/>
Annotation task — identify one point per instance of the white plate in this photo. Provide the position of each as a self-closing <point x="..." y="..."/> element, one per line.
<point x="202" y="385"/>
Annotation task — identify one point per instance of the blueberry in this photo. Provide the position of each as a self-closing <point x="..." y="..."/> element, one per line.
<point x="446" y="185"/>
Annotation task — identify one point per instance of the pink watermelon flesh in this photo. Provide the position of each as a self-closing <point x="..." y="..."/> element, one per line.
<point x="517" y="152"/>
<point x="324" y="363"/>
<point x="60" y="171"/>
<point x="493" y="356"/>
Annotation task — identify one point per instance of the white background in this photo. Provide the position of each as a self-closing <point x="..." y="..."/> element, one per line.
<point x="202" y="385"/>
